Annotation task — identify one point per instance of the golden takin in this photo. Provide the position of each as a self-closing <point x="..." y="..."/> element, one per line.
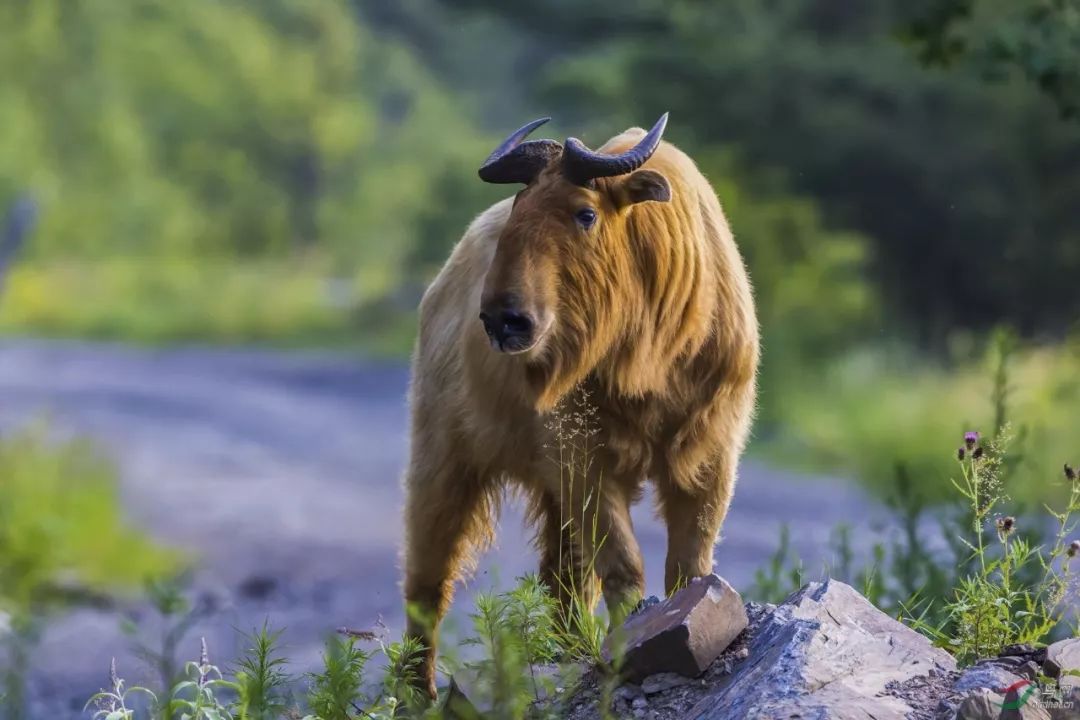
<point x="594" y="330"/>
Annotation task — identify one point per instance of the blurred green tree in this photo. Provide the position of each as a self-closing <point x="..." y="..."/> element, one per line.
<point x="1039" y="38"/>
<point x="967" y="189"/>
<point x="221" y="129"/>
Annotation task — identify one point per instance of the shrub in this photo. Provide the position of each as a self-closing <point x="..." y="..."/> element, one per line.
<point x="63" y="541"/>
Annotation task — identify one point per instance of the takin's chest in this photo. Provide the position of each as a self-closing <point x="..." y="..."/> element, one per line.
<point x="582" y="437"/>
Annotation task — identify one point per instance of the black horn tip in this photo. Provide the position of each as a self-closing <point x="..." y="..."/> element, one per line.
<point x="514" y="139"/>
<point x="515" y="161"/>
<point x="536" y="123"/>
<point x="580" y="164"/>
<point x="661" y="124"/>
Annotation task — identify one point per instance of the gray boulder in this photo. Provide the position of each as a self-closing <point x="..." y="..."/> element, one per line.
<point x="1062" y="660"/>
<point x="825" y="654"/>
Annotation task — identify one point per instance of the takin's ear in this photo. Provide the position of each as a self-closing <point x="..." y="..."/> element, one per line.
<point x="644" y="185"/>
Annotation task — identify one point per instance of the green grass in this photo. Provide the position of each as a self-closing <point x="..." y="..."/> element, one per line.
<point x="998" y="578"/>
<point x="872" y="414"/>
<point x="365" y="676"/>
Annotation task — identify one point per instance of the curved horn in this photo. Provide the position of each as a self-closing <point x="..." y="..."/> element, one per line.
<point x="517" y="162"/>
<point x="580" y="164"/>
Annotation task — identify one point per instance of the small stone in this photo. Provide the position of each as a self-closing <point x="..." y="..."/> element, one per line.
<point x="627" y="693"/>
<point x="1030" y="670"/>
<point x="683" y="634"/>
<point x="663" y="681"/>
<point x="645" y="604"/>
<point x="639" y="703"/>
<point x="742" y="653"/>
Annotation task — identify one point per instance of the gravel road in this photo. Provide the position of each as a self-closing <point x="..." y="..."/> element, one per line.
<point x="280" y="473"/>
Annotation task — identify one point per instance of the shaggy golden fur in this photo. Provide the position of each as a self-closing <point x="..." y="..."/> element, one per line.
<point x="651" y="312"/>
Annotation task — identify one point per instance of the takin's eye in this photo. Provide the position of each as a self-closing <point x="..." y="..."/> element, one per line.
<point x="585" y="217"/>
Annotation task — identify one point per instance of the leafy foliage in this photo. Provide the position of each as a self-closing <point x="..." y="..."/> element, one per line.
<point x="1038" y="38"/>
<point x="228" y="129"/>
<point x="62" y="533"/>
<point x="262" y="685"/>
<point x="517" y="632"/>
<point x="945" y="174"/>
<point x="337" y="690"/>
<point x="995" y="580"/>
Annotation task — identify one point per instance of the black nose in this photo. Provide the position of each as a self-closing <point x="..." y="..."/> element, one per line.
<point x="511" y="329"/>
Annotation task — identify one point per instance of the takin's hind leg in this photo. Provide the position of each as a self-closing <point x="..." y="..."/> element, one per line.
<point x="693" y="519"/>
<point x="590" y="532"/>
<point x="447" y="517"/>
<point x="618" y="556"/>
<point x="564" y="568"/>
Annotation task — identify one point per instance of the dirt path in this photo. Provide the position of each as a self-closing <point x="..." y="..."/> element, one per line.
<point x="280" y="472"/>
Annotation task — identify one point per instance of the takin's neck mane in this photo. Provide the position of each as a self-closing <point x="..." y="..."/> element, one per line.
<point x="643" y="304"/>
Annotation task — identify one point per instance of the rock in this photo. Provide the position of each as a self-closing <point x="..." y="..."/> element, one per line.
<point x="1068" y="708"/>
<point x="981" y="704"/>
<point x="1061" y="658"/>
<point x="459" y="706"/>
<point x="984" y="704"/>
<point x="1030" y="670"/>
<point x="662" y="682"/>
<point x="1019" y="650"/>
<point x="1023" y="703"/>
<point x="828" y="654"/>
<point x="683" y="634"/>
<point x="985" y="676"/>
<point x="469" y="696"/>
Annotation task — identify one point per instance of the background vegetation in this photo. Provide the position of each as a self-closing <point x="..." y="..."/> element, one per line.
<point x="902" y="177"/>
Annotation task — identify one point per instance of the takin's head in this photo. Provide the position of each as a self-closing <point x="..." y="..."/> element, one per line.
<point x="561" y="248"/>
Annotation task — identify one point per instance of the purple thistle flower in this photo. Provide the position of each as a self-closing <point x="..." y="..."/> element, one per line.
<point x="977" y="453"/>
<point x="960" y="453"/>
<point x="971" y="439"/>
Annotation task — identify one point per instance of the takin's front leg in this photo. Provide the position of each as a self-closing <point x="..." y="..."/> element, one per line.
<point x="447" y="517"/>
<point x="693" y="518"/>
